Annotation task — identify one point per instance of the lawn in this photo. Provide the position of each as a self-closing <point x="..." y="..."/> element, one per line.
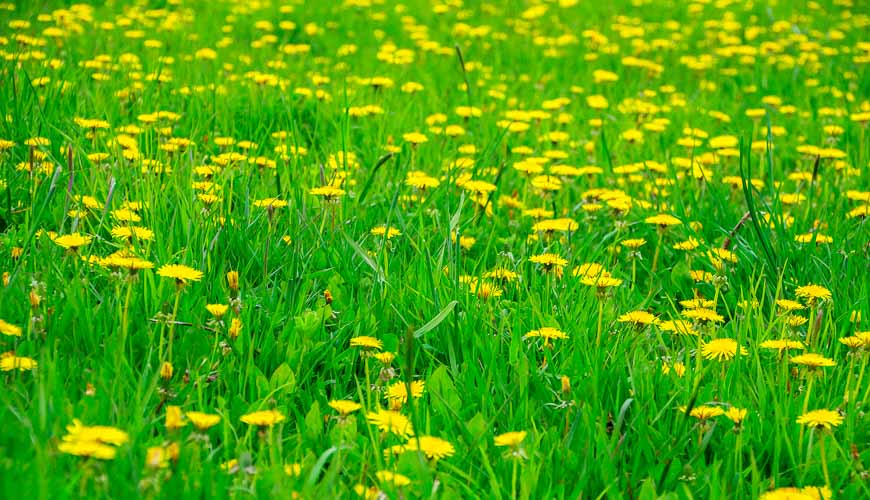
<point x="425" y="249"/>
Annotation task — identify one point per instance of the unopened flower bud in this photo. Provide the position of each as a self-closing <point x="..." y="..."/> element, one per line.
<point x="233" y="280"/>
<point x="166" y="370"/>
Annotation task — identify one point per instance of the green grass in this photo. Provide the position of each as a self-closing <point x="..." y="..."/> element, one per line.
<point x="95" y="332"/>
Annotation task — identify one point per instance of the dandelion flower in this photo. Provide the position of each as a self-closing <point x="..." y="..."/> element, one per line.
<point x="394" y="478"/>
<point x="812" y="360"/>
<point x="366" y="342"/>
<point x="391" y="421"/>
<point x="73" y="241"/>
<point x="399" y="390"/>
<point x="9" y="329"/>
<point x="821" y="419"/>
<point x="638" y="318"/>
<point x="813" y="293"/>
<point x="736" y="415"/>
<point x="549" y="261"/>
<point x="722" y="349"/>
<point x="547" y="333"/>
<point x="174" y="418"/>
<point x="9" y="362"/>
<point x="266" y="418"/>
<point x="704" y="315"/>
<point x="679" y="326"/>
<point x="791" y="493"/>
<point x="704" y="412"/>
<point x="782" y="344"/>
<point x="92" y="441"/>
<point x="434" y="448"/>
<point x="344" y="407"/>
<point x="202" y="421"/>
<point x="511" y="439"/>
<point x="180" y="273"/>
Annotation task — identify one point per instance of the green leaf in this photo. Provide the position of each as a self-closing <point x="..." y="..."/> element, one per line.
<point x="445" y="397"/>
<point x="365" y="257"/>
<point x="307" y="323"/>
<point x="423" y="330"/>
<point x="283" y="380"/>
<point x="477" y="427"/>
<point x="314" y="422"/>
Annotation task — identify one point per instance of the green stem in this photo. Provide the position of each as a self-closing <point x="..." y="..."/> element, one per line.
<point x="172" y="324"/>
<point x="600" y="317"/>
<point x="824" y="459"/>
<point x="656" y="254"/>
<point x="125" y="314"/>
<point x="806" y="406"/>
<point x="514" y="479"/>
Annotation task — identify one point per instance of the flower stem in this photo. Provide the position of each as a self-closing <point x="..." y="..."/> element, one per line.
<point x="824" y="459"/>
<point x="172" y="324"/>
<point x="125" y="315"/>
<point x="600" y="316"/>
<point x="806" y="405"/>
<point x="656" y="254"/>
<point x="514" y="479"/>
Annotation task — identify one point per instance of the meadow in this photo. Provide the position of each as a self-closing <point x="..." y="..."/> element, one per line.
<point x="435" y="249"/>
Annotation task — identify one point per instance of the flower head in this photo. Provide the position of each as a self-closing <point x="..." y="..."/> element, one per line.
<point x="92" y="441"/>
<point x="812" y="361"/>
<point x="344" y="407"/>
<point x="813" y="293"/>
<point x="9" y="329"/>
<point x="821" y="419"/>
<point x="73" y="241"/>
<point x="433" y="447"/>
<point x="512" y="439"/>
<point x="180" y="273"/>
<point x="722" y="349"/>
<point x="265" y="418"/>
<point x="391" y="421"/>
<point x="202" y="421"/>
<point x="638" y="318"/>
<point x="399" y="390"/>
<point x="366" y="342"/>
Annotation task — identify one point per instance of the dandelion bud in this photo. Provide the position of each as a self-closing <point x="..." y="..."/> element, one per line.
<point x="166" y="370"/>
<point x="327" y="296"/>
<point x="35" y="299"/>
<point x="174" y="419"/>
<point x="154" y="457"/>
<point x="566" y="384"/>
<point x="233" y="280"/>
<point x="172" y="451"/>
<point x="235" y="328"/>
<point x="855" y="317"/>
<point x="6" y="278"/>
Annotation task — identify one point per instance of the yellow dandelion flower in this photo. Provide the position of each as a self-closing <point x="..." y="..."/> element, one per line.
<point x="265" y="418"/>
<point x="722" y="349"/>
<point x="821" y="419"/>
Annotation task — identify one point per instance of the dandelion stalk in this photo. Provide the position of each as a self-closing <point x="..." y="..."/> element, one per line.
<point x="811" y="336"/>
<point x="824" y="458"/>
<point x="806" y="404"/>
<point x="125" y="323"/>
<point x="600" y="319"/>
<point x="656" y="254"/>
<point x="860" y="375"/>
<point x="172" y="324"/>
<point x="514" y="478"/>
